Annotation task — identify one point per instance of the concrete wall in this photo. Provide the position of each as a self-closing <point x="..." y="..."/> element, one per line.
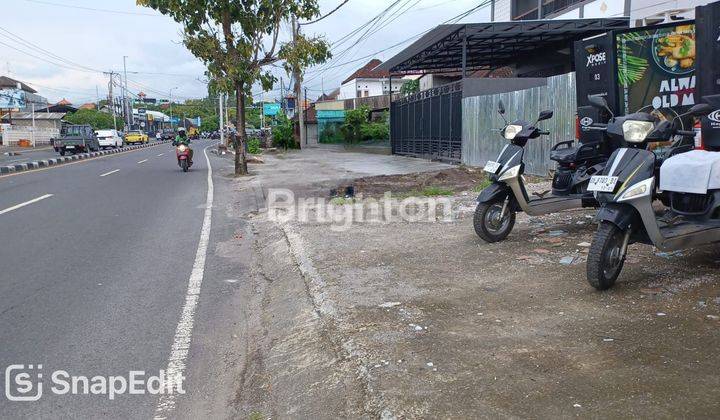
<point x="41" y="136"/>
<point x="642" y="9"/>
<point x="502" y="10"/>
<point x="330" y="106"/>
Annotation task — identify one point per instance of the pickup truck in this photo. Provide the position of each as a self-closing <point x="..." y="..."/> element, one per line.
<point x="76" y="139"/>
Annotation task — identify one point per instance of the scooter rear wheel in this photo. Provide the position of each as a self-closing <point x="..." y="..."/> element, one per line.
<point x="488" y="224"/>
<point x="605" y="257"/>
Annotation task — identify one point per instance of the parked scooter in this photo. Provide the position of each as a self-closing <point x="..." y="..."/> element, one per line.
<point x="497" y="204"/>
<point x="627" y="188"/>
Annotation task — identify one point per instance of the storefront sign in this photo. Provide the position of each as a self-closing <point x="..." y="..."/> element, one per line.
<point x="656" y="68"/>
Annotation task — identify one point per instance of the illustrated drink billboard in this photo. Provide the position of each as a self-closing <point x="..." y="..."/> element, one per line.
<point x="656" y="69"/>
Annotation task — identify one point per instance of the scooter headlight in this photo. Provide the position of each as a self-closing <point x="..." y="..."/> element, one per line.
<point x="182" y="148"/>
<point x="510" y="173"/>
<point x="636" y="131"/>
<point x="641" y="189"/>
<point x="511" y="131"/>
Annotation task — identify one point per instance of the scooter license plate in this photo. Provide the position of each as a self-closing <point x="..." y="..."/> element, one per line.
<point x="492" y="167"/>
<point x="602" y="183"/>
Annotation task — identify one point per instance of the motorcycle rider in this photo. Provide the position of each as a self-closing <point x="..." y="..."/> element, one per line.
<point x="182" y="138"/>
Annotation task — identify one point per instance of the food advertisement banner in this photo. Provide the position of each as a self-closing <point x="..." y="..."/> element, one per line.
<point x="656" y="69"/>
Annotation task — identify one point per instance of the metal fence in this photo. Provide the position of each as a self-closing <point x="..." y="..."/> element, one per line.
<point x="480" y="122"/>
<point x="428" y="124"/>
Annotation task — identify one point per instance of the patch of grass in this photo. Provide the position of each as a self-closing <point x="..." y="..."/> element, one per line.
<point x="435" y="191"/>
<point x="482" y="185"/>
<point x="256" y="415"/>
<point x="341" y="201"/>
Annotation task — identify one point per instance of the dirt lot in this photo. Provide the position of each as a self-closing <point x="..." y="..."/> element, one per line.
<point x="424" y="320"/>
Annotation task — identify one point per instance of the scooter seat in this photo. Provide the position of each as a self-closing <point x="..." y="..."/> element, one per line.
<point x="567" y="155"/>
<point x="573" y="154"/>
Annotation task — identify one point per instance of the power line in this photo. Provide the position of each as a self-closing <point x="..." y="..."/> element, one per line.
<point x="454" y="19"/>
<point x="92" y="9"/>
<point x="326" y="15"/>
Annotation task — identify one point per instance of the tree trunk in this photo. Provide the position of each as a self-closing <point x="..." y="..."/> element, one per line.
<point x="239" y="140"/>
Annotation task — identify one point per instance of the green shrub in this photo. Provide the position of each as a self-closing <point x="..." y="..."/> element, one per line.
<point x="254" y="145"/>
<point x="282" y="133"/>
<point x="375" y="131"/>
<point x="354" y="121"/>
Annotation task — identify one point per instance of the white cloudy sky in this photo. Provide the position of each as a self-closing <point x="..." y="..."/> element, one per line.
<point x="97" y="40"/>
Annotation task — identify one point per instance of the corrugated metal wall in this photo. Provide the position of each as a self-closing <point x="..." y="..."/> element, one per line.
<point x="482" y="141"/>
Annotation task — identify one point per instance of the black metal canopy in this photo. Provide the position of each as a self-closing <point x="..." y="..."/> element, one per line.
<point x="474" y="46"/>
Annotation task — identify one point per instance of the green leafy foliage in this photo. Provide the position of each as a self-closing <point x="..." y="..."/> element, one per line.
<point x="254" y="146"/>
<point x="237" y="40"/>
<point x="354" y="121"/>
<point x="282" y="133"/>
<point x="97" y="119"/>
<point x="411" y="86"/>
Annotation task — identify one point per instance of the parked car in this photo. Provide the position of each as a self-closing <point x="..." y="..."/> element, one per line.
<point x="136" y="136"/>
<point x="109" y="138"/>
<point x="76" y="139"/>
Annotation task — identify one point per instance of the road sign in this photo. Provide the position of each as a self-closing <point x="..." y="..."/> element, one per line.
<point x="270" y="110"/>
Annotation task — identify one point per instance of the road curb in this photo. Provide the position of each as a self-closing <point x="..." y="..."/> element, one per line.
<point x="28" y="166"/>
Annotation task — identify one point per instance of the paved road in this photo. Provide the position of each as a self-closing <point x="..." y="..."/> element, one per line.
<point x="29" y="155"/>
<point x="95" y="272"/>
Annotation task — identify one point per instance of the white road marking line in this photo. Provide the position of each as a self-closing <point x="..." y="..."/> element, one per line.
<point x="143" y="161"/>
<point x="110" y="173"/>
<point x="34" y="200"/>
<point x="161" y="154"/>
<point x="183" y="333"/>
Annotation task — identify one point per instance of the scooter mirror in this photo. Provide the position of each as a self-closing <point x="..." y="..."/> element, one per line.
<point x="545" y="115"/>
<point x="662" y="132"/>
<point x="597" y="102"/>
<point x="501" y="108"/>
<point x="700" y="110"/>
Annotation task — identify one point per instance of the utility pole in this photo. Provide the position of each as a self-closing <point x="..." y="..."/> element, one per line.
<point x="220" y="120"/>
<point x="171" y="111"/>
<point x="111" y="99"/>
<point x="33" y="123"/>
<point x="128" y="120"/>
<point x="97" y="97"/>
<point x="297" y="74"/>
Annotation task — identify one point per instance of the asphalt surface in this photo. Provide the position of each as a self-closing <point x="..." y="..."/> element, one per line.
<point x="28" y="155"/>
<point x="95" y="273"/>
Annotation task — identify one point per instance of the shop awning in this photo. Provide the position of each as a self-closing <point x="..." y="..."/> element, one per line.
<point x="474" y="46"/>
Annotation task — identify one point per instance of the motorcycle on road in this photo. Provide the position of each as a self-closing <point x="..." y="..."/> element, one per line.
<point x="184" y="158"/>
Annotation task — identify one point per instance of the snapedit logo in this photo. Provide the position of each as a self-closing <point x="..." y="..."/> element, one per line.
<point x="27" y="383"/>
<point x="596" y="59"/>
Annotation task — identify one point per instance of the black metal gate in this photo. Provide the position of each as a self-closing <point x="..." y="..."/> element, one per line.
<point x="428" y="124"/>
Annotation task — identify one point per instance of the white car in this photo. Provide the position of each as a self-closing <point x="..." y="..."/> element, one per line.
<point x="109" y="138"/>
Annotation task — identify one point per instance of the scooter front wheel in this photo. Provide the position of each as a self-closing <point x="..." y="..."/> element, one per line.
<point x="606" y="256"/>
<point x="184" y="165"/>
<point x="489" y="222"/>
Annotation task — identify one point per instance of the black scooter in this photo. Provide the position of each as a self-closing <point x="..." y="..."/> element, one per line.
<point x="627" y="188"/>
<point x="497" y="204"/>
